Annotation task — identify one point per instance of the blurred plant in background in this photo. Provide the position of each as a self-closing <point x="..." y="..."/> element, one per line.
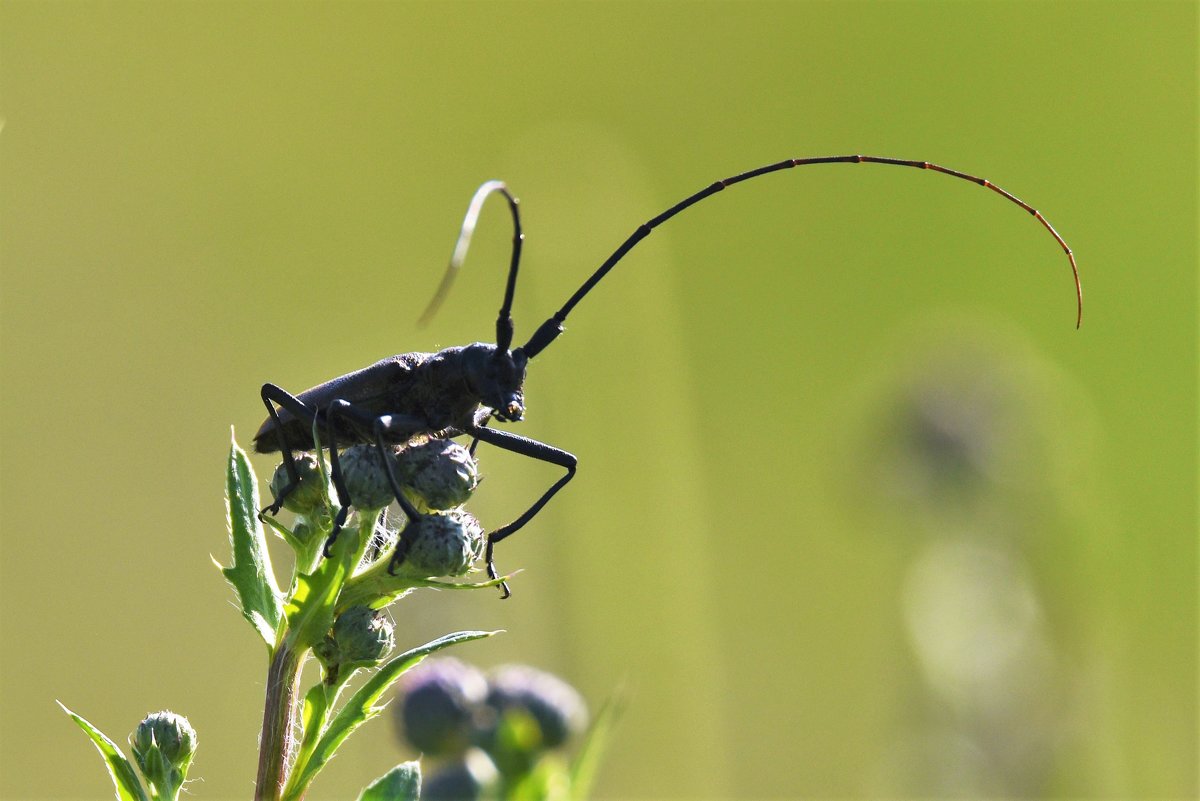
<point x="501" y="730"/>
<point x="501" y="735"/>
<point x="965" y="460"/>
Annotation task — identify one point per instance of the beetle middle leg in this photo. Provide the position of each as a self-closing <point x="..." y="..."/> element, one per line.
<point x="379" y="426"/>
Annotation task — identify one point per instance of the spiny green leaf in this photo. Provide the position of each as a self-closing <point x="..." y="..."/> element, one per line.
<point x="401" y="783"/>
<point x="310" y="610"/>
<point x="361" y="706"/>
<point x="125" y="779"/>
<point x="250" y="574"/>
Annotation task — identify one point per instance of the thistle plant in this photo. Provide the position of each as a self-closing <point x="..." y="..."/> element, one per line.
<point x="334" y="606"/>
<point x="163" y="746"/>
<point x="334" y="609"/>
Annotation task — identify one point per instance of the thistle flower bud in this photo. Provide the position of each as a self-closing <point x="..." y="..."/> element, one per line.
<point x="438" y="474"/>
<point x="439" y="705"/>
<point x="467" y="778"/>
<point x="366" y="478"/>
<point x="532" y="711"/>
<point x="360" y="637"/>
<point x="304" y="531"/>
<point x="310" y="497"/>
<point x="443" y="544"/>
<point x="163" y="746"/>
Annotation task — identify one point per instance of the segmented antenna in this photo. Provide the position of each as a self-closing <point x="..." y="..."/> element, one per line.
<point x="550" y="329"/>
<point x="504" y="324"/>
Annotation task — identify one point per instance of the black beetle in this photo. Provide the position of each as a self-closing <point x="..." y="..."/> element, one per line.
<point x="458" y="390"/>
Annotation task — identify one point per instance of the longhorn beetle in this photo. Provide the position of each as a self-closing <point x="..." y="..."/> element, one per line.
<point x="458" y="390"/>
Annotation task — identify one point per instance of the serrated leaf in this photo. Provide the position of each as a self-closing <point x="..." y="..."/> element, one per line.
<point x="250" y="574"/>
<point x="361" y="706"/>
<point x="125" y="779"/>
<point x="401" y="783"/>
<point x="310" y="610"/>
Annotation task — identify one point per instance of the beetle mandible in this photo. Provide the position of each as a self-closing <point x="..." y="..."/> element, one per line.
<point x="459" y="390"/>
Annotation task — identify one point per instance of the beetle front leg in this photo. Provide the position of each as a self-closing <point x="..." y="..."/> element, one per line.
<point x="535" y="450"/>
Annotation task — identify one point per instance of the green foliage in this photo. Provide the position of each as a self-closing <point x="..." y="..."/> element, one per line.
<point x="163" y="746"/>
<point x="310" y="607"/>
<point x="315" y="614"/>
<point x="125" y="779"/>
<point x="250" y="574"/>
<point x="401" y="783"/>
<point x="331" y="610"/>
<point x="321" y="741"/>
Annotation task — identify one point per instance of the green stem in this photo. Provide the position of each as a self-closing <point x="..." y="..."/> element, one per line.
<point x="279" y="717"/>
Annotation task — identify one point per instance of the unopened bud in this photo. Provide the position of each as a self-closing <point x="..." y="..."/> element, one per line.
<point x="163" y="746"/>
<point x="442" y="544"/>
<point x="366" y="478"/>
<point x="438" y="474"/>
<point x="309" y="498"/>
<point x="360" y="637"/>
<point x="304" y="531"/>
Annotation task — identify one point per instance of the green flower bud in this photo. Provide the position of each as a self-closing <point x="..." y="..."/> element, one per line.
<point x="438" y="474"/>
<point x="366" y="478"/>
<point x="443" y="544"/>
<point x="304" y="531"/>
<point x="309" y="498"/>
<point x="163" y="746"/>
<point x="360" y="637"/>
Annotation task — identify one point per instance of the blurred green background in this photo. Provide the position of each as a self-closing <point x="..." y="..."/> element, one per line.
<point x="858" y="513"/>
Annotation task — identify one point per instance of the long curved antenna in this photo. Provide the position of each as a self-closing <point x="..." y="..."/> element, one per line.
<point x="550" y="329"/>
<point x="504" y="324"/>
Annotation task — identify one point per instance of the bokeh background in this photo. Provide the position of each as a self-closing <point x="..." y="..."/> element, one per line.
<point x="859" y="513"/>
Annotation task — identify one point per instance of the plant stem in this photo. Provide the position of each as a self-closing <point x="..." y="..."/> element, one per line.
<point x="279" y="718"/>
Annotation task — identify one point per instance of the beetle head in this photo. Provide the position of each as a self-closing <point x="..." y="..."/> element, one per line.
<point x="497" y="377"/>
